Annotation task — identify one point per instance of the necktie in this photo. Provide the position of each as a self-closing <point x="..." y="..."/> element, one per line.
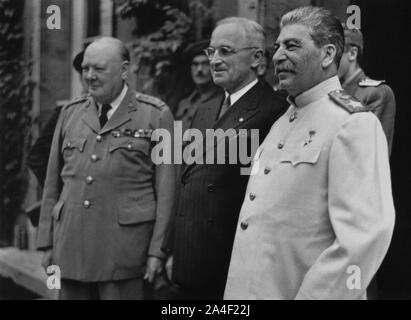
<point x="225" y="106"/>
<point x="103" y="116"/>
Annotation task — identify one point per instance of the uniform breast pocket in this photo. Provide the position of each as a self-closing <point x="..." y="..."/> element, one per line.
<point x="131" y="158"/>
<point x="130" y="148"/>
<point x="300" y="156"/>
<point x="71" y="146"/>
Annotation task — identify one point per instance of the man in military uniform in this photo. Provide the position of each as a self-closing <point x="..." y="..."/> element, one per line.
<point x="106" y="204"/>
<point x="374" y="94"/>
<point x="318" y="214"/>
<point x="205" y="89"/>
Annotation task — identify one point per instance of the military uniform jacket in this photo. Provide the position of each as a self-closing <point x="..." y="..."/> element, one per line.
<point x="105" y="204"/>
<point x="210" y="195"/>
<point x="377" y="96"/>
<point x="319" y="206"/>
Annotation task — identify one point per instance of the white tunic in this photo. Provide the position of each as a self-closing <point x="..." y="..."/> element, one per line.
<point x="318" y="215"/>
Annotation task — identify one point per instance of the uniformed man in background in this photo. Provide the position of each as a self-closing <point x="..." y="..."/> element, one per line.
<point x="319" y="211"/>
<point x="106" y="204"/>
<point x="205" y="89"/>
<point x="374" y="94"/>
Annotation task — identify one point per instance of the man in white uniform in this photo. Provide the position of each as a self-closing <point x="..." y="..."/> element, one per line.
<point x="318" y="215"/>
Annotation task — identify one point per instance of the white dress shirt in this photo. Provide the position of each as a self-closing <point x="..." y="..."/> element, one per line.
<point x="234" y="97"/>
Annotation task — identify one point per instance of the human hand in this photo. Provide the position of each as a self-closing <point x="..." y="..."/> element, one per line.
<point x="153" y="269"/>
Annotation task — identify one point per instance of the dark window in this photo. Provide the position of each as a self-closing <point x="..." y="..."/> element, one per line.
<point x="93" y="18"/>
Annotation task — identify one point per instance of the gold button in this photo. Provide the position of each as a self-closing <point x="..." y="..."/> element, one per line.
<point x="87" y="204"/>
<point x="89" y="180"/>
<point x="241" y="120"/>
<point x="280" y="145"/>
<point x="244" y="225"/>
<point x="94" y="158"/>
<point x="252" y="196"/>
<point x="129" y="147"/>
<point x="69" y="144"/>
<point x="99" y="138"/>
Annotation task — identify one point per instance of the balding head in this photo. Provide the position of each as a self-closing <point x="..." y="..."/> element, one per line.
<point x="114" y="44"/>
<point x="105" y="68"/>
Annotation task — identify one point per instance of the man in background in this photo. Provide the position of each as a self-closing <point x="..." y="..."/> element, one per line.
<point x="374" y="94"/>
<point x="204" y="90"/>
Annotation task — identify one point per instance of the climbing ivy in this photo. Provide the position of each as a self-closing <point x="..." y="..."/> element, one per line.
<point x="165" y="27"/>
<point x="15" y="98"/>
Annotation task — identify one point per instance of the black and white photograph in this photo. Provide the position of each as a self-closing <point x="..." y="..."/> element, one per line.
<point x="207" y="152"/>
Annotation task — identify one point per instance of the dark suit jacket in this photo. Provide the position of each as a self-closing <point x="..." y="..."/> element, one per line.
<point x="211" y="195"/>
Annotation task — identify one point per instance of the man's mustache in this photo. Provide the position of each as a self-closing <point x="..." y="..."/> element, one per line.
<point x="283" y="68"/>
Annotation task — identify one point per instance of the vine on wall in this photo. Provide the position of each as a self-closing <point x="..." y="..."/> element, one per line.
<point x="165" y="27"/>
<point x="15" y="93"/>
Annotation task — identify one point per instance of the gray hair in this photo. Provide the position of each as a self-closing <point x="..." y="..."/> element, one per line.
<point x="254" y="32"/>
<point x="325" y="27"/>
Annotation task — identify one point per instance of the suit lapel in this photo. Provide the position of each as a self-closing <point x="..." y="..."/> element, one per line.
<point x="207" y="113"/>
<point x="238" y="115"/>
<point x="205" y="118"/>
<point x="121" y="115"/>
<point x="240" y="112"/>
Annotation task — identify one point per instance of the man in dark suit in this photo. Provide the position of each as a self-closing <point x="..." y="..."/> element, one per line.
<point x="211" y="195"/>
<point x="106" y="200"/>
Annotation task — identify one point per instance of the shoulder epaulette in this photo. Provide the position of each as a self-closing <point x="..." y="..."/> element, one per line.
<point x="142" y="97"/>
<point x="347" y="102"/>
<point x="367" y="82"/>
<point x="82" y="98"/>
